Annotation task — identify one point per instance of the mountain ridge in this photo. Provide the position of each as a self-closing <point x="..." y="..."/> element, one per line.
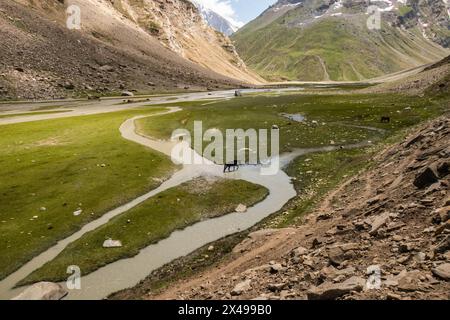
<point x="316" y="40"/>
<point x="151" y="46"/>
<point x="216" y="20"/>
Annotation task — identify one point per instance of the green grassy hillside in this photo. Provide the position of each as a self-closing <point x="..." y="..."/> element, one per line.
<point x="307" y="44"/>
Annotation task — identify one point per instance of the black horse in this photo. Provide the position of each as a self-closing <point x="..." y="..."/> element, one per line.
<point x="229" y="166"/>
<point x="385" y="119"/>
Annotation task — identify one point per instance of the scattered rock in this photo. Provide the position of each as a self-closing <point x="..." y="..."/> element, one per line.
<point x="442" y="271"/>
<point x="420" y="257"/>
<point x="379" y="222"/>
<point x="107" y="68"/>
<point x="276" y="267"/>
<point x="297" y="253"/>
<point x="112" y="243"/>
<point x="393" y="296"/>
<point x="241" y="287"/>
<point x="332" y="291"/>
<point x="241" y="208"/>
<point x="441" y="215"/>
<point x="443" y="245"/>
<point x="323" y="216"/>
<point x="127" y="94"/>
<point x="336" y="255"/>
<point x="68" y="85"/>
<point x="276" y="287"/>
<point x="427" y="176"/>
<point x="414" y="140"/>
<point x="408" y="281"/>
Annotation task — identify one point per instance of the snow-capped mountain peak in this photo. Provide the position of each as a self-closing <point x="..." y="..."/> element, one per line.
<point x="216" y="20"/>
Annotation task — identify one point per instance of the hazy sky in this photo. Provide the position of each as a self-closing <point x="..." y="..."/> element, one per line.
<point x="238" y="11"/>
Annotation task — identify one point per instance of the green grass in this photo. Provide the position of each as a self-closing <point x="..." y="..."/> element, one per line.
<point x="57" y="165"/>
<point x="333" y="113"/>
<point x="149" y="222"/>
<point x="317" y="174"/>
<point x="286" y="50"/>
<point x="2" y="116"/>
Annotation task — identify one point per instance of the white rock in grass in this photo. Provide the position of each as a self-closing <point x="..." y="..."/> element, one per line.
<point x="112" y="243"/>
<point x="78" y="212"/>
<point x="241" y="208"/>
<point x="42" y="291"/>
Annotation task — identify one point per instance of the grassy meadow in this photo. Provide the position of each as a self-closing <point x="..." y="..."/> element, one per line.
<point x="151" y="221"/>
<point x="50" y="169"/>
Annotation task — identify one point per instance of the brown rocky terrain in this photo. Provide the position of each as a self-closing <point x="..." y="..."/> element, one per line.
<point x="384" y="234"/>
<point x="144" y="46"/>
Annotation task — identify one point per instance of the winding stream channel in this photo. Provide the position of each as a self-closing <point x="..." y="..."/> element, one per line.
<point x="128" y="272"/>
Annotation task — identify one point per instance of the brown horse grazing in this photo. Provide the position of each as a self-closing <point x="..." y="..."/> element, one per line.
<point x="385" y="119"/>
<point x="229" y="166"/>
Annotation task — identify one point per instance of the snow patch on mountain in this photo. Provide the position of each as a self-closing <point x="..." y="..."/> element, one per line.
<point x="216" y="20"/>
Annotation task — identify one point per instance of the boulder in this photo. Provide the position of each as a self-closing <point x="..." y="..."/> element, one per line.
<point x="336" y="255"/>
<point x="276" y="287"/>
<point x="276" y="267"/>
<point x="127" y="94"/>
<point x="42" y="291"/>
<point x="241" y="208"/>
<point x="408" y="281"/>
<point x="427" y="177"/>
<point x="443" y="168"/>
<point x="241" y="287"/>
<point x="68" y="85"/>
<point x="324" y="216"/>
<point x="107" y="68"/>
<point x="441" y="215"/>
<point x="414" y="140"/>
<point x="112" y="243"/>
<point x="442" y="271"/>
<point x="297" y="253"/>
<point x="379" y="222"/>
<point x="444" y="244"/>
<point x="332" y="291"/>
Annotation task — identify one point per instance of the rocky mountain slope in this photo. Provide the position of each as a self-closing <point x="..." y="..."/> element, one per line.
<point x="149" y="45"/>
<point x="316" y="40"/>
<point x="215" y="20"/>
<point x="384" y="234"/>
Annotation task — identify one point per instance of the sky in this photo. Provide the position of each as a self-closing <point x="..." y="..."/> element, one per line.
<point x="238" y="11"/>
